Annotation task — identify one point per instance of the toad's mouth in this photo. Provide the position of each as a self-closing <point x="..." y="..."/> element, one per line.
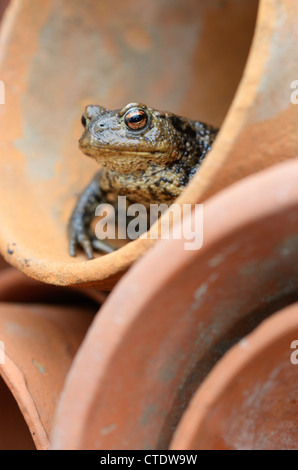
<point x="106" y="151"/>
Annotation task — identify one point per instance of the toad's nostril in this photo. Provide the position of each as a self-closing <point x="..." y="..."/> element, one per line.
<point x="99" y="127"/>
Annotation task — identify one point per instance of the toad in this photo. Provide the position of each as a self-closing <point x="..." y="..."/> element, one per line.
<point x="147" y="155"/>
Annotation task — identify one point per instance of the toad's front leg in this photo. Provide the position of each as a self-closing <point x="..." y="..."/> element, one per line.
<point x="79" y="224"/>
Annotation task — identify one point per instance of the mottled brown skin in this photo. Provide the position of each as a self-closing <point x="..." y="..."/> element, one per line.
<point x="147" y="155"/>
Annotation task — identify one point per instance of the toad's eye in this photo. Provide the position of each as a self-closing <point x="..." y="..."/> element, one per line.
<point x="136" y="119"/>
<point x="83" y="120"/>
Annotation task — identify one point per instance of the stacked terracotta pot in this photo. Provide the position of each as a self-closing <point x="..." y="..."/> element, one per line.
<point x="193" y="349"/>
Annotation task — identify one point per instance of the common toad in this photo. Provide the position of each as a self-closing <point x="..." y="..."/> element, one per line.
<point x="147" y="155"/>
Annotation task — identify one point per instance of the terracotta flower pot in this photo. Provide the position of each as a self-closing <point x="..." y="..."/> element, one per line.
<point x="249" y="400"/>
<point x="60" y="56"/>
<point x="41" y="328"/>
<point x="176" y="312"/>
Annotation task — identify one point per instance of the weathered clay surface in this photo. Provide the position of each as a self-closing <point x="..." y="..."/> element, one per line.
<point x="59" y="56"/>
<point x="249" y="400"/>
<point x="177" y="311"/>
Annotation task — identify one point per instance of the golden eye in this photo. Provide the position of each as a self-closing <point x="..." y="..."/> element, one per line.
<point x="136" y="119"/>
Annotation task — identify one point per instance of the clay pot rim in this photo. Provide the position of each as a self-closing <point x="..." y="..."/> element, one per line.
<point x="16" y="383"/>
<point x="104" y="271"/>
<point x="58" y="273"/>
<point x="247" y="350"/>
<point x="16" y="373"/>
